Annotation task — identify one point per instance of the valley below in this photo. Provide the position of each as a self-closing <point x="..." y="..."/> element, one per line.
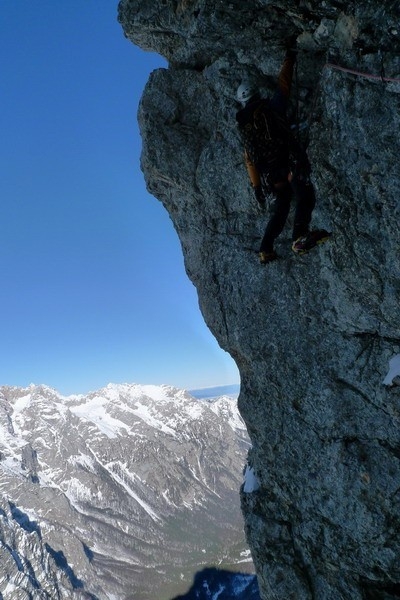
<point x="126" y="493"/>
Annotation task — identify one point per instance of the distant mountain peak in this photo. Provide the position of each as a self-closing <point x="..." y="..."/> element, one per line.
<point x="131" y="475"/>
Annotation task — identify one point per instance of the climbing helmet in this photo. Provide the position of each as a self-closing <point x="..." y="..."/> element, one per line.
<point x="246" y="90"/>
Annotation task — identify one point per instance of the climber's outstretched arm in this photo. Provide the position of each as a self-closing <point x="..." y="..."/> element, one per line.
<point x="285" y="76"/>
<point x="280" y="99"/>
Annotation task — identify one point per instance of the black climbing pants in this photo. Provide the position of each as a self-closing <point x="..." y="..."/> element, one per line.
<point x="302" y="191"/>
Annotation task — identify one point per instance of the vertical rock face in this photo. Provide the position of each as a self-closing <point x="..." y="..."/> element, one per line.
<point x="313" y="335"/>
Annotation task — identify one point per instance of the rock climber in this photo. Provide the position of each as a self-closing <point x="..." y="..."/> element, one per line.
<point x="276" y="163"/>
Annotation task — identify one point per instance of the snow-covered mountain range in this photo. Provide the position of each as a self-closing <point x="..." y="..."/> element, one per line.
<point x="124" y="493"/>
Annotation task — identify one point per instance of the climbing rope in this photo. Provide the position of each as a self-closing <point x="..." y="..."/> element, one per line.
<point x="382" y="78"/>
<point x="361" y="74"/>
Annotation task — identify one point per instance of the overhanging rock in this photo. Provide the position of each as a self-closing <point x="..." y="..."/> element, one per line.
<point x="312" y="336"/>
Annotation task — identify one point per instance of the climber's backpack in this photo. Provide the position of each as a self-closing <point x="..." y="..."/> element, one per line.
<point x="266" y="134"/>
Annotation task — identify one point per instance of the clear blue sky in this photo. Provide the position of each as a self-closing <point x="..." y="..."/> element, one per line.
<point x="93" y="288"/>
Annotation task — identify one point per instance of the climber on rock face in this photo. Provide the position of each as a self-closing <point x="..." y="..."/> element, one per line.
<point x="276" y="163"/>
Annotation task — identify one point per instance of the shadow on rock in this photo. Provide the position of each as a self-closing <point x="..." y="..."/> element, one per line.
<point x="226" y="585"/>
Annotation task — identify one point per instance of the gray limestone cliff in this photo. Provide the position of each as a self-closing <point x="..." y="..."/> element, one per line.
<point x="312" y="336"/>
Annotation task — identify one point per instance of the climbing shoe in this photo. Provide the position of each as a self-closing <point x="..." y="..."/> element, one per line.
<point x="304" y="243"/>
<point x="267" y="257"/>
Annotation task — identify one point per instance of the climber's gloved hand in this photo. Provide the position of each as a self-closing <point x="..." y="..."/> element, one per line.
<point x="259" y="194"/>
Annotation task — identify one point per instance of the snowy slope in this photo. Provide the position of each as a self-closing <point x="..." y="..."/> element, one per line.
<point x="130" y="488"/>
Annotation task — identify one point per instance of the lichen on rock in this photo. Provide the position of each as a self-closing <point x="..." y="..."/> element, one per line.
<point x="312" y="336"/>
